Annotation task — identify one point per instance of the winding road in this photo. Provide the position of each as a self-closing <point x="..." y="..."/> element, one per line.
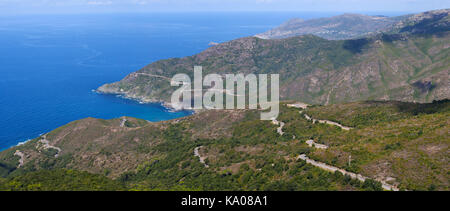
<point x="330" y="168"/>
<point x="312" y="143"/>
<point x="344" y="172"/>
<point x="202" y="159"/>
<point x="279" y="129"/>
<point x="152" y="75"/>
<point x="46" y="145"/>
<point x="22" y="156"/>
<point x="326" y="122"/>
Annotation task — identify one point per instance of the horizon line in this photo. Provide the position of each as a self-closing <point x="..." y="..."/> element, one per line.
<point x="373" y="12"/>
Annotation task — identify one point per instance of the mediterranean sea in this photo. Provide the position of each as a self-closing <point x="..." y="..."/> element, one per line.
<point x="50" y="64"/>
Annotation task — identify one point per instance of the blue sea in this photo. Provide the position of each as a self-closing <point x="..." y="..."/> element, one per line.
<point x="50" y="64"/>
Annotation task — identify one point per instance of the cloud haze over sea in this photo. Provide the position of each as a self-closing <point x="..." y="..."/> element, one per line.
<point x="98" y="6"/>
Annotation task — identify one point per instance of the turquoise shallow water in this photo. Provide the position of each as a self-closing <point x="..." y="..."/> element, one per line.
<point x="49" y="65"/>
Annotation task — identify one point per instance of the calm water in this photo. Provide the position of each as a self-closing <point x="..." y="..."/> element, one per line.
<point x="49" y="65"/>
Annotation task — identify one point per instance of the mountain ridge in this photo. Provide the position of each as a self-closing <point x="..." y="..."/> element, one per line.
<point x="402" y="144"/>
<point x="402" y="64"/>
<point x="345" y="26"/>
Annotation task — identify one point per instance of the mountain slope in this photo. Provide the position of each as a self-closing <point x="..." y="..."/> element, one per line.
<point x="403" y="143"/>
<point x="160" y="156"/>
<point x="341" y="27"/>
<point x="401" y="64"/>
<point x="60" y="180"/>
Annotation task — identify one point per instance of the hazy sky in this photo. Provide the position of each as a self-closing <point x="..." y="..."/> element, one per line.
<point x="94" y="6"/>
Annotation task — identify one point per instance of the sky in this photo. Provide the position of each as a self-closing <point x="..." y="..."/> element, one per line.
<point x="102" y="6"/>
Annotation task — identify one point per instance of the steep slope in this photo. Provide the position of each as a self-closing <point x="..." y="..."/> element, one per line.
<point x="409" y="63"/>
<point x="158" y="156"/>
<point x="97" y="145"/>
<point x="341" y="27"/>
<point x="398" y="142"/>
<point x="404" y="144"/>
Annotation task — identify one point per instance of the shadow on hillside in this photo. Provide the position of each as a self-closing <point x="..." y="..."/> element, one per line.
<point x="424" y="108"/>
<point x="429" y="25"/>
<point x="356" y="46"/>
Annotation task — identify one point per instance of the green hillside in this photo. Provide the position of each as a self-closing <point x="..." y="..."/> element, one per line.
<point x="406" y="144"/>
<point x="408" y="63"/>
